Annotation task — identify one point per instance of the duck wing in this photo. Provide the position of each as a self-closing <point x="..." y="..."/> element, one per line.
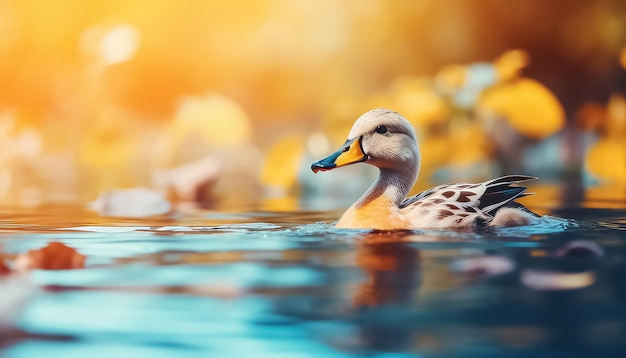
<point x="481" y="199"/>
<point x="417" y="197"/>
<point x="499" y="192"/>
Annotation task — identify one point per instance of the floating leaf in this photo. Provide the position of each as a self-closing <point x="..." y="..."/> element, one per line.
<point x="4" y="269"/>
<point x="54" y="256"/>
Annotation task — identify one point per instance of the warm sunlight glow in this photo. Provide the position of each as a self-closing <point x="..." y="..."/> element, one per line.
<point x="119" y="44"/>
<point x="117" y="93"/>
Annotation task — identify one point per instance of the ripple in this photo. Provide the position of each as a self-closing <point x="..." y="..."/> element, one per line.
<point x="291" y="284"/>
<point x="544" y="225"/>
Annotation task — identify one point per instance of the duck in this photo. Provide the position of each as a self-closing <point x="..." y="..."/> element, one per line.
<point x="386" y="139"/>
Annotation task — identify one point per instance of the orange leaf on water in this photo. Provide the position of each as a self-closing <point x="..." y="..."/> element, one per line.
<point x="54" y="256"/>
<point x="4" y="269"/>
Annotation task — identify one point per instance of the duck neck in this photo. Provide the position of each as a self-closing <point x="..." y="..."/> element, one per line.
<point x="391" y="185"/>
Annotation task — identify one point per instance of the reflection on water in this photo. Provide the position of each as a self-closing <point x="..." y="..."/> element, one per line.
<point x="289" y="284"/>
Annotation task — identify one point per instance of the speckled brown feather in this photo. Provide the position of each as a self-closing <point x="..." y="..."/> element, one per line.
<point x="461" y="205"/>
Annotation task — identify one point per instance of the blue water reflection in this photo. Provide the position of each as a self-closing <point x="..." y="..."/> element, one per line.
<point x="290" y="285"/>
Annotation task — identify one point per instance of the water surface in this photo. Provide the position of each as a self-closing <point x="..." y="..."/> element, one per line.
<point x="283" y="284"/>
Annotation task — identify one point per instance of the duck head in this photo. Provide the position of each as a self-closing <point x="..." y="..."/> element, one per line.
<point x="380" y="137"/>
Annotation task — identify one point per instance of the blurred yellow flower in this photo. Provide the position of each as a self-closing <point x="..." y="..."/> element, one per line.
<point x="510" y="64"/>
<point x="435" y="151"/>
<point x="467" y="143"/>
<point x="616" y="117"/>
<point x="418" y="102"/>
<point x="219" y="119"/>
<point x="530" y="107"/>
<point x="201" y="126"/>
<point x="282" y="163"/>
<point x="450" y="78"/>
<point x="606" y="159"/>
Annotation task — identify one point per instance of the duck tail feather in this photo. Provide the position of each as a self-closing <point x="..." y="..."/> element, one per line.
<point x="509" y="179"/>
<point x="497" y="196"/>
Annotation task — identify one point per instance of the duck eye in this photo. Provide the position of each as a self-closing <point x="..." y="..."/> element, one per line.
<point x="381" y="129"/>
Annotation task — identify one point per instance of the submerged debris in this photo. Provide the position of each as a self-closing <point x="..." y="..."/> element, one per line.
<point x="580" y="248"/>
<point x="554" y="280"/>
<point x="484" y="265"/>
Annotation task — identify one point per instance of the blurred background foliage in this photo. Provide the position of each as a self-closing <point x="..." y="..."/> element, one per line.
<point x="226" y="103"/>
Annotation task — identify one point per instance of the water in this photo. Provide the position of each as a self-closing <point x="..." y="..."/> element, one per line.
<point x="263" y="284"/>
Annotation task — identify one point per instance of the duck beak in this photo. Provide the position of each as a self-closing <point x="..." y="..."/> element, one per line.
<point x="351" y="152"/>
